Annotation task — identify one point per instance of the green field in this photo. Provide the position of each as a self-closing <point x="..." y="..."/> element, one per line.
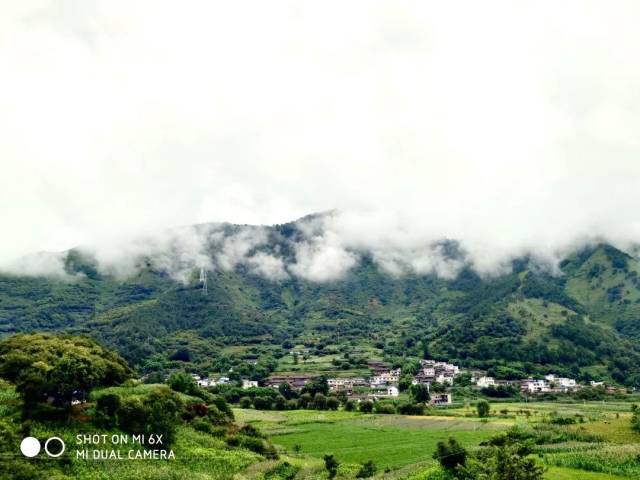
<point x="404" y="445"/>
<point x="598" y="445"/>
<point x="391" y="440"/>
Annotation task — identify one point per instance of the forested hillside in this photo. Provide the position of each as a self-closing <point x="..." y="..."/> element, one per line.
<point x="584" y="321"/>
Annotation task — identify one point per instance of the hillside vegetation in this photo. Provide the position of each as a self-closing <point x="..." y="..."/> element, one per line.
<point x="582" y="323"/>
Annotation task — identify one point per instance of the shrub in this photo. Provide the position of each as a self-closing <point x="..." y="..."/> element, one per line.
<point x="202" y="425"/>
<point x="198" y="410"/>
<point x="250" y="431"/>
<point x="366" y="406"/>
<point x="262" y="403"/>
<point x="333" y="403"/>
<point x="280" y="403"/>
<point x="367" y="470"/>
<point x="305" y="400"/>
<point x="319" y="401"/>
<point x="450" y="454"/>
<point x="283" y="471"/>
<point x="410" y="409"/>
<point x="181" y="355"/>
<point x="316" y="385"/>
<point x="158" y="412"/>
<point x="562" y="420"/>
<point x="252" y="443"/>
<point x="483" y="408"/>
<point x="420" y="393"/>
<point x="162" y="408"/>
<point x="331" y="465"/>
<point x="222" y="405"/>
<point x="182" y="382"/>
<point x="506" y="462"/>
<point x="107" y="408"/>
<point x="385" y="408"/>
<point x="635" y="418"/>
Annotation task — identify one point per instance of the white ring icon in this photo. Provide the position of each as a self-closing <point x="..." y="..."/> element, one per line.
<point x="30" y="446"/>
<point x="46" y="444"/>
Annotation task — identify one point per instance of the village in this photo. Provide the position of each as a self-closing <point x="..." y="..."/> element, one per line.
<point x="437" y="376"/>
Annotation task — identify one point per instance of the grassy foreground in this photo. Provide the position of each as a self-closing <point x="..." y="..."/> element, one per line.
<point x="600" y="445"/>
<point x="198" y="455"/>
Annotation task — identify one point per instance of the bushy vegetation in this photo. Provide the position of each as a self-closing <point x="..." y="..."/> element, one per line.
<point x="635" y="418"/>
<point x="612" y="459"/>
<point x="499" y="459"/>
<point x="483" y="408"/>
<point x="283" y="471"/>
<point x="367" y="470"/>
<point x="185" y="418"/>
<point x="58" y="368"/>
<point x="331" y="465"/>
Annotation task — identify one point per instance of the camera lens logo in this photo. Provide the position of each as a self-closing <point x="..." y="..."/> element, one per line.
<point x="30" y="446"/>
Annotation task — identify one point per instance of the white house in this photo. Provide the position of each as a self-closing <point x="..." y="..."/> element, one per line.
<point x="445" y="378"/>
<point x="392" y="391"/>
<point x="484" y="382"/>
<point x="531" y="385"/>
<point x="562" y="383"/>
<point x="441" y="367"/>
<point x="202" y="382"/>
<point x="248" y="384"/>
<point x="429" y="372"/>
<point x="345" y="383"/>
<point x="388" y="378"/>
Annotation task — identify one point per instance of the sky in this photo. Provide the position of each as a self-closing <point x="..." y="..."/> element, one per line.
<point x="510" y="126"/>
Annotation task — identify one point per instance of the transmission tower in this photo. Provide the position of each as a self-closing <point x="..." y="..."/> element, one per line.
<point x="203" y="280"/>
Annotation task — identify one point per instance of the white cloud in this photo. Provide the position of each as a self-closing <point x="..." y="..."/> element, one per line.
<point x="322" y="258"/>
<point x="177" y="252"/>
<point x="268" y="266"/>
<point x="512" y="127"/>
<point x="39" y="264"/>
<point x="235" y="248"/>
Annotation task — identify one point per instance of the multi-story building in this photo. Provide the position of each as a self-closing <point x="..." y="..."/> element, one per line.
<point x="388" y="378"/>
<point x="485" y="382"/>
<point x="561" y="383"/>
<point x="531" y="385"/>
<point x="345" y="384"/>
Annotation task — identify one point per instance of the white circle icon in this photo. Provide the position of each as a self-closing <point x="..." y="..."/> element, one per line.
<point x="30" y="446"/>
<point x="46" y="447"/>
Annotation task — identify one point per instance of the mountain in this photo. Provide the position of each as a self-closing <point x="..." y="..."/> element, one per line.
<point x="583" y="322"/>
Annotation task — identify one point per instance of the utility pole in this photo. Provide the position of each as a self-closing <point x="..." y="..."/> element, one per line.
<point x="203" y="280"/>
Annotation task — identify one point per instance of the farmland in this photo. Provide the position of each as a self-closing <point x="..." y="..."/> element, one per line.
<point x="599" y="446"/>
<point x="393" y="441"/>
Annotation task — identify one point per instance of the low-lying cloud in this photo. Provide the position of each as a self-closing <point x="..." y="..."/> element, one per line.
<point x="511" y="128"/>
<point x="324" y="248"/>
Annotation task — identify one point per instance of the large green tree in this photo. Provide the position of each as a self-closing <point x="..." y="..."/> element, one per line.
<point x="58" y="367"/>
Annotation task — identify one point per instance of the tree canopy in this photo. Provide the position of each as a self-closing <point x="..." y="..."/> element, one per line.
<point x="60" y="367"/>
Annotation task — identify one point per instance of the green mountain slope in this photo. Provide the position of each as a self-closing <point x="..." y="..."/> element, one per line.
<point x="583" y="323"/>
